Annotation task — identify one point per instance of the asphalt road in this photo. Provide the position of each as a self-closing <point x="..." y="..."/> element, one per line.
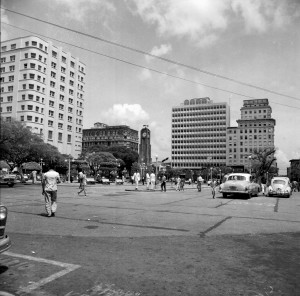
<point x="117" y="241"/>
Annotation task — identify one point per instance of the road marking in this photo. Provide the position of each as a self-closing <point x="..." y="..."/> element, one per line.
<point x="67" y="268"/>
<point x="203" y="233"/>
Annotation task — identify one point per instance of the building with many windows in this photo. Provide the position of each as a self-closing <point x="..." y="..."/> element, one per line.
<point x="199" y="134"/>
<point x="105" y="135"/>
<point x="43" y="86"/>
<point x="255" y="130"/>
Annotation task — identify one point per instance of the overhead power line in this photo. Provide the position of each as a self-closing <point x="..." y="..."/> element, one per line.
<point x="143" y="67"/>
<point x="154" y="56"/>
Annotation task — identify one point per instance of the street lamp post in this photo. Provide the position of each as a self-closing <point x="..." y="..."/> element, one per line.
<point x="156" y="157"/>
<point x="211" y="169"/>
<point x="41" y="162"/>
<point x="69" y="164"/>
<point x="250" y="165"/>
<point x="220" y="175"/>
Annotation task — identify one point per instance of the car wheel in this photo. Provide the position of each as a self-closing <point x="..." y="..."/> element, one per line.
<point x="224" y="195"/>
<point x="11" y="184"/>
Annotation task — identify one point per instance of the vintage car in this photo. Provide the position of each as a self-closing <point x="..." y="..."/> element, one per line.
<point x="240" y="184"/>
<point x="104" y="181"/>
<point x="7" y="178"/>
<point x="224" y="179"/>
<point x="280" y="186"/>
<point x="90" y="180"/>
<point x="5" y="242"/>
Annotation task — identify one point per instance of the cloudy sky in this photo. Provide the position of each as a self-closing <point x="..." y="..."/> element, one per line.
<point x="256" y="42"/>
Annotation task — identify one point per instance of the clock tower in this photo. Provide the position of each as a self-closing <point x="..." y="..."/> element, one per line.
<point x="145" y="146"/>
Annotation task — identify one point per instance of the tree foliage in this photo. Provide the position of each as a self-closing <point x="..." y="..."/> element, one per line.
<point x="101" y="162"/>
<point x="19" y="145"/>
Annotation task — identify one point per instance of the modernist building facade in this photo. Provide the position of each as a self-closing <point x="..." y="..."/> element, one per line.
<point x="104" y="135"/>
<point x="43" y="86"/>
<point x="255" y="130"/>
<point x="199" y="134"/>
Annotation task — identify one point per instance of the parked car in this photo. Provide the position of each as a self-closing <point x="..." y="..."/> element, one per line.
<point x="90" y="180"/>
<point x="5" y="242"/>
<point x="104" y="181"/>
<point x="280" y="186"/>
<point x="119" y="182"/>
<point x="240" y="184"/>
<point x="224" y="179"/>
<point x="7" y="179"/>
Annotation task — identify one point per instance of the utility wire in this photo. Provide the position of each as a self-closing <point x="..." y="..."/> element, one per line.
<point x="154" y="56"/>
<point x="143" y="67"/>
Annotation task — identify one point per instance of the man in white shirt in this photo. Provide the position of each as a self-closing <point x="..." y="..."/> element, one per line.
<point x="147" y="180"/>
<point x="49" y="187"/>
<point x="199" y="182"/>
<point x="152" y="180"/>
<point x="136" y="179"/>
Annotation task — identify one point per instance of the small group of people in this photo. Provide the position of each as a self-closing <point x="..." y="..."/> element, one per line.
<point x="150" y="180"/>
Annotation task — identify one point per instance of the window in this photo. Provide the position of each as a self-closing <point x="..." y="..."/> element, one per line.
<point x="51" y="113"/>
<point x="9" y="99"/>
<point x="11" y="78"/>
<point x="12" y="58"/>
<point x="10" y="88"/>
<point x="2" y="69"/>
<point x="70" y="110"/>
<point x="69" y="127"/>
<point x="60" y="125"/>
<point x="31" y="76"/>
<point x="30" y="97"/>
<point x="9" y="108"/>
<point x="3" y="60"/>
<point x="11" y="68"/>
<point x="53" y="74"/>
<point x="70" y="118"/>
<point x="51" y="103"/>
<point x="50" y="123"/>
<point x="32" y="65"/>
<point x="36" y="119"/>
<point x="62" y="88"/>
<point x="70" y="101"/>
<point x="33" y="43"/>
<point x="29" y="118"/>
<point x="33" y="55"/>
<point x="52" y="83"/>
<point x="23" y="97"/>
<point x="60" y="116"/>
<point x="63" y="59"/>
<point x="52" y="93"/>
<point x="54" y="54"/>
<point x="41" y="46"/>
<point x="63" y="70"/>
<point x="30" y="107"/>
<point x="27" y="43"/>
<point x="2" y="79"/>
<point x="71" y="82"/>
<point x="53" y="65"/>
<point x="39" y="78"/>
<point x="61" y="107"/>
<point x="31" y="86"/>
<point x="37" y="109"/>
<point x="3" y="48"/>
<point x="50" y="135"/>
<point x="59" y="136"/>
<point x="62" y="78"/>
<point x="13" y="46"/>
<point x="69" y="138"/>
<point x="61" y="97"/>
<point x="72" y="64"/>
<point x="72" y="74"/>
<point x="71" y="92"/>
<point x="22" y="118"/>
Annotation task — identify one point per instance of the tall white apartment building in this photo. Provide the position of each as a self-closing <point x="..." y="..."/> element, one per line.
<point x="43" y="86"/>
<point x="255" y="131"/>
<point x="199" y="134"/>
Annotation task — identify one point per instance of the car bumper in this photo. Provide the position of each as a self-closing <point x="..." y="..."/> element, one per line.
<point x="275" y="193"/>
<point x="5" y="244"/>
<point x="235" y="191"/>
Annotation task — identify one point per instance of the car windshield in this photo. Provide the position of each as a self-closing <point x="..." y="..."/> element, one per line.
<point x="237" y="177"/>
<point x="280" y="182"/>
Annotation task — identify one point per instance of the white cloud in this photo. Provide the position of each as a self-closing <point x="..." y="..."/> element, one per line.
<point x="80" y="9"/>
<point x="203" y="21"/>
<point x="159" y="51"/>
<point x="145" y="74"/>
<point x="132" y="115"/>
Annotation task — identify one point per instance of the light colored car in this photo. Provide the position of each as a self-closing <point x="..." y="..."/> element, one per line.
<point x="7" y="178"/>
<point x="240" y="184"/>
<point x="280" y="186"/>
<point x="90" y="180"/>
<point x="119" y="182"/>
<point x="105" y="181"/>
<point x="5" y="242"/>
<point x="224" y="179"/>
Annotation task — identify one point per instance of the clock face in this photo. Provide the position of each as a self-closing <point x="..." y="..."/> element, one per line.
<point x="144" y="135"/>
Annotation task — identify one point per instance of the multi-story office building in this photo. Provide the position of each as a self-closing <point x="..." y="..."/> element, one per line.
<point x="43" y="86"/>
<point x="255" y="130"/>
<point x="199" y="134"/>
<point x="105" y="135"/>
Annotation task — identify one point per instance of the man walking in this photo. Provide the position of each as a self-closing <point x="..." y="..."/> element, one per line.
<point x="136" y="179"/>
<point x="49" y="187"/>
<point x="199" y="183"/>
<point x="163" y="183"/>
<point x="82" y="181"/>
<point x="147" y="180"/>
<point x="152" y="180"/>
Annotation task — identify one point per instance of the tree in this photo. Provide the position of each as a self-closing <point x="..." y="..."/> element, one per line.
<point x="19" y="145"/>
<point x="262" y="162"/>
<point x="100" y="162"/>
